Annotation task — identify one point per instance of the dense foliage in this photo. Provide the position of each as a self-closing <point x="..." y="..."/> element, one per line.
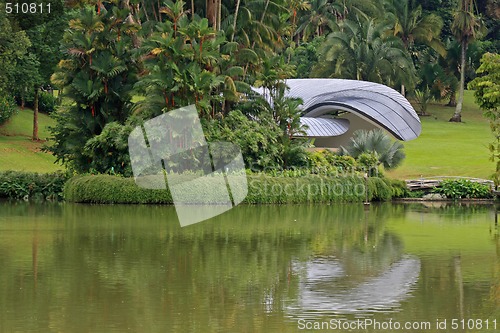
<point x="7" y="108"/>
<point x="24" y="185"/>
<point x="123" y="62"/>
<point x="462" y="188"/>
<point x="374" y="148"/>
<point x="487" y="94"/>
<point x="262" y="189"/>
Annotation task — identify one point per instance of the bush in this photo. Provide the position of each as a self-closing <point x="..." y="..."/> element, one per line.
<point x="378" y="189"/>
<point x="368" y="162"/>
<point x="398" y="188"/>
<point x="112" y="189"/>
<point x="262" y="189"/>
<point x="463" y="188"/>
<point x="308" y="189"/>
<point x="47" y="103"/>
<point x="327" y="162"/>
<point x="19" y="185"/>
<point x="7" y="108"/>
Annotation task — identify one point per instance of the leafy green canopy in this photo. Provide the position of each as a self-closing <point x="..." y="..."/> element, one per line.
<point x="13" y="46"/>
<point x="97" y="75"/>
<point x="362" y="50"/>
<point x="109" y="58"/>
<point x="487" y="93"/>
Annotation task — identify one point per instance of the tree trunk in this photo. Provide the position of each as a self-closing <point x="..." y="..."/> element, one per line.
<point x="219" y="14"/>
<point x="212" y="13"/>
<point x="403" y="91"/>
<point x="35" y="116"/>
<point x="192" y="9"/>
<point x="235" y="19"/>
<point x="453" y="99"/>
<point x="457" y="116"/>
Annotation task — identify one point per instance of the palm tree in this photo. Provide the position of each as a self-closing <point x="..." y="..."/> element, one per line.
<point x="410" y="25"/>
<point x="362" y="51"/>
<point x="465" y="27"/>
<point x="98" y="75"/>
<point x="175" y="12"/>
<point x="295" y="6"/>
<point x="449" y="65"/>
<point x="390" y="153"/>
<point x="319" y="16"/>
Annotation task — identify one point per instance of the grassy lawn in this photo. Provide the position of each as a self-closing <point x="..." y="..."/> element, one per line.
<point x="18" y="152"/>
<point x="449" y="149"/>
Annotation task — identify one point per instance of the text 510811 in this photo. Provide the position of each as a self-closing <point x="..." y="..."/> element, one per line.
<point x="27" y="8"/>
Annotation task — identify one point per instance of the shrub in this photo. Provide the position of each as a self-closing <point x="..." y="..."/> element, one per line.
<point x="389" y="153"/>
<point x="47" y="103"/>
<point x="327" y="162"/>
<point x="378" y="189"/>
<point x="307" y="189"/>
<point x="368" y="162"/>
<point x="112" y="189"/>
<point x="7" y="108"/>
<point x="318" y="162"/>
<point x="463" y="188"/>
<point x="262" y="189"/>
<point x="18" y="185"/>
<point x="343" y="163"/>
<point x="398" y="188"/>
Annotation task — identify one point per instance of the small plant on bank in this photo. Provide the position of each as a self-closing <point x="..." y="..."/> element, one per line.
<point x="463" y="188"/>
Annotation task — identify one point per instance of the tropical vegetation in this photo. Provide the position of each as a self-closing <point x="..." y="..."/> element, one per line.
<point x="122" y="62"/>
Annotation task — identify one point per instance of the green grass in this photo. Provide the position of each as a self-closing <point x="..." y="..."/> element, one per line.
<point x="18" y="151"/>
<point x="449" y="149"/>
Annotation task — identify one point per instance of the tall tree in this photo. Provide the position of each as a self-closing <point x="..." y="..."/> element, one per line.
<point x="13" y="46"/>
<point x="408" y="23"/>
<point x="316" y="19"/>
<point x="97" y="75"/>
<point x="362" y="50"/>
<point x="465" y="27"/>
<point x="487" y="94"/>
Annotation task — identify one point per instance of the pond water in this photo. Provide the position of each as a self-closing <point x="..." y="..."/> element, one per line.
<point x="88" y="268"/>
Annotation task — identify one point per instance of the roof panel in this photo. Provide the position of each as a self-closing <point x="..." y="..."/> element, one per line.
<point x="323" y="127"/>
<point x="380" y="104"/>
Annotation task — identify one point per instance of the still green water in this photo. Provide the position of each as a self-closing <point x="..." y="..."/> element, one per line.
<point x="84" y="268"/>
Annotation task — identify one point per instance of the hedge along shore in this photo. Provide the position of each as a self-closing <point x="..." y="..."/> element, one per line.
<point x="262" y="189"/>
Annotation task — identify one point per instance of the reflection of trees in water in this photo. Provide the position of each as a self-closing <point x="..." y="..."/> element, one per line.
<point x="133" y="266"/>
<point x="495" y="289"/>
<point x="450" y="210"/>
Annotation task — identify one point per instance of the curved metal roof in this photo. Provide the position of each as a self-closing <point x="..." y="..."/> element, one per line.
<point x="375" y="102"/>
<point x="319" y="127"/>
